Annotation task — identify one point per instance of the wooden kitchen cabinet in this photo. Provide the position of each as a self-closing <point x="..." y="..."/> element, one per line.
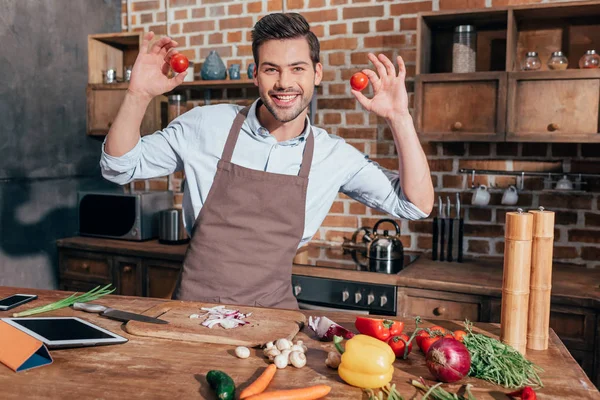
<point x="554" y="105"/>
<point x="161" y="278"/>
<point x="433" y="304"/>
<point x="128" y="276"/>
<point x="103" y="103"/>
<point x="516" y="106"/>
<point x="461" y="106"/>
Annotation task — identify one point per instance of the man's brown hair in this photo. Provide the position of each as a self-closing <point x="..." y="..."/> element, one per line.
<point x="280" y="26"/>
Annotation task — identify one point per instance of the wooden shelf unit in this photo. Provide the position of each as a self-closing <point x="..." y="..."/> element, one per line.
<point x="539" y="106"/>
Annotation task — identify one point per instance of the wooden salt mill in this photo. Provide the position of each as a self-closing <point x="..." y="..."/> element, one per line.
<point x="515" y="279"/>
<point x="541" y="279"/>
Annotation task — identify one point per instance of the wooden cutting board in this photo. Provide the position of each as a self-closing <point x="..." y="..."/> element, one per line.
<point x="266" y="325"/>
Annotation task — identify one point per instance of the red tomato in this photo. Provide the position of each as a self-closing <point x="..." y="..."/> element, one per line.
<point x="398" y="345"/>
<point x="396" y="328"/>
<point x="359" y="81"/>
<point x="460" y="335"/>
<point x="439" y="329"/>
<point x="426" y="343"/>
<point x="179" y="63"/>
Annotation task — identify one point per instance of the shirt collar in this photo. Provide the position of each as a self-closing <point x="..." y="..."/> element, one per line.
<point x="258" y="131"/>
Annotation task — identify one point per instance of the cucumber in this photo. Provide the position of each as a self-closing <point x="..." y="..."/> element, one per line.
<point x="222" y="384"/>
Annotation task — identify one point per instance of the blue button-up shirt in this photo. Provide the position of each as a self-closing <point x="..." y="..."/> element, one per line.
<point x="194" y="143"/>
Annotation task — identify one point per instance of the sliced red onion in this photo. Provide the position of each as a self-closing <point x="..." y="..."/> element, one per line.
<point x="326" y="329"/>
<point x="219" y="315"/>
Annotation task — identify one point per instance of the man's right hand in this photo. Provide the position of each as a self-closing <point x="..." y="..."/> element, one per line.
<point x="149" y="76"/>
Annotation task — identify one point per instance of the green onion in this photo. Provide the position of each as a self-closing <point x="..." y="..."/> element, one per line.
<point x="499" y="363"/>
<point x="93" y="294"/>
<point x="435" y="392"/>
<point x="388" y="390"/>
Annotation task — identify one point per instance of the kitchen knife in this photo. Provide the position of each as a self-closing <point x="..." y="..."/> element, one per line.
<point x="442" y="230"/>
<point x="459" y="254"/>
<point x="435" y="238"/>
<point x="116" y="314"/>
<point x="450" y="231"/>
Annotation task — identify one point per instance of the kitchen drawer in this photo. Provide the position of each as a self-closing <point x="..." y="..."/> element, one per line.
<point x="160" y="278"/>
<point x="542" y="109"/>
<point x="439" y="305"/>
<point x="457" y="107"/>
<point x="128" y="272"/>
<point x="85" y="266"/>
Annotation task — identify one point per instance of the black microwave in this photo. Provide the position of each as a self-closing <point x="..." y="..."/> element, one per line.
<point x="129" y="216"/>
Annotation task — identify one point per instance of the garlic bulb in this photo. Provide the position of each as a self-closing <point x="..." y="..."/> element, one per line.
<point x="242" y="352"/>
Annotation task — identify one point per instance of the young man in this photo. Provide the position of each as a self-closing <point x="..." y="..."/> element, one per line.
<point x="260" y="180"/>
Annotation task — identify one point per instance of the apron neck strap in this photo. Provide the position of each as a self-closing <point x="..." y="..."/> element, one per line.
<point x="234" y="133"/>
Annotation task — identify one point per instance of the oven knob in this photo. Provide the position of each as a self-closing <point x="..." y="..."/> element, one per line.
<point x="382" y="300"/>
<point x="345" y="295"/>
<point x="297" y="290"/>
<point x="370" y="298"/>
<point x="357" y="297"/>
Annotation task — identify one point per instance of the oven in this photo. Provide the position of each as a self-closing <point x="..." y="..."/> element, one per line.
<point x="326" y="294"/>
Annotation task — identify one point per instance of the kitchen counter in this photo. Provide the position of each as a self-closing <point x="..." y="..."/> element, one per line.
<point x="571" y="285"/>
<point x="160" y="368"/>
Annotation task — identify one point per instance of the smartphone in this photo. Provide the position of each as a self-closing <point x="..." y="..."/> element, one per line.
<point x="15" y="300"/>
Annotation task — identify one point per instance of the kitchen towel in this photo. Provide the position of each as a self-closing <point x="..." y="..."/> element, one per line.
<point x="20" y="351"/>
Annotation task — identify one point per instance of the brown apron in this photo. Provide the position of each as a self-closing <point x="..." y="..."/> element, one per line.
<point x="247" y="234"/>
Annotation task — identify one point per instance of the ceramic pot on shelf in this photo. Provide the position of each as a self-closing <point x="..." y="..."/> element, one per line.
<point x="213" y="67"/>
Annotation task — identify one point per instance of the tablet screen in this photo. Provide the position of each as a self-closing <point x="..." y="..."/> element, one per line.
<point x="62" y="329"/>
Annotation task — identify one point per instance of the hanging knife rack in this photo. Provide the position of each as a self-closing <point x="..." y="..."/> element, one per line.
<point x="522" y="174"/>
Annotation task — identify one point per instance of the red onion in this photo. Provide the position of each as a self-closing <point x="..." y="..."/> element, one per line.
<point x="448" y="360"/>
<point x="326" y="329"/>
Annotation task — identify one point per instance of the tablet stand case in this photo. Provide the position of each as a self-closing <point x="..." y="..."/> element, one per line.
<point x="20" y="351"/>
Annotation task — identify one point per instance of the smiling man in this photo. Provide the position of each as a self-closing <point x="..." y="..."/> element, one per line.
<point x="260" y="180"/>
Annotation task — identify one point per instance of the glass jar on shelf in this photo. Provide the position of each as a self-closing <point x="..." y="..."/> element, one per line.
<point x="464" y="49"/>
<point x="531" y="62"/>
<point x="558" y="61"/>
<point x="590" y="59"/>
<point x="177" y="106"/>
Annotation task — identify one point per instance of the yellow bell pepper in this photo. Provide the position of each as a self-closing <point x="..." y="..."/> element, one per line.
<point x="367" y="362"/>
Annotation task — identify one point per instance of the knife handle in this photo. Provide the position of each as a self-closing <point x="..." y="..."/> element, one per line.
<point x="434" y="240"/>
<point x="460" y="240"/>
<point x="442" y="238"/>
<point x="91" y="308"/>
<point x="450" y="237"/>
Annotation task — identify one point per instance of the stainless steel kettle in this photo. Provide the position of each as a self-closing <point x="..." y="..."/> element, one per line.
<point x="384" y="247"/>
<point x="170" y="227"/>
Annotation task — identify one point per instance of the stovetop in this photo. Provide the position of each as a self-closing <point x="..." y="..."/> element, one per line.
<point x="354" y="258"/>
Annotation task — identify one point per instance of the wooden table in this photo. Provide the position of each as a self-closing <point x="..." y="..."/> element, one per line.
<point x="158" y="368"/>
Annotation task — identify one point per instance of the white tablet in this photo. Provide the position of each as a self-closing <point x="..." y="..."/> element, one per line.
<point x="63" y="332"/>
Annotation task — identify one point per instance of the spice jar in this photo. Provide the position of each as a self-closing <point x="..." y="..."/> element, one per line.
<point x="589" y="60"/>
<point x="464" y="49"/>
<point x="177" y="106"/>
<point x="531" y="62"/>
<point x="558" y="61"/>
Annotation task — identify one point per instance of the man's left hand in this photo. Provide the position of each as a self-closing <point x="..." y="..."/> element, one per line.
<point x="390" y="99"/>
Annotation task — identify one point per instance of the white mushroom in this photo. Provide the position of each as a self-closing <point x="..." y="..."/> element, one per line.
<point x="333" y="359"/>
<point x="281" y="361"/>
<point x="242" y="352"/>
<point x="271" y="353"/>
<point x="297" y="348"/>
<point x="282" y="344"/>
<point x="298" y="359"/>
<point x="269" y="345"/>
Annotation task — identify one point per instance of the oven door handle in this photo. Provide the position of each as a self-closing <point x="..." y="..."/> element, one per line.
<point x="307" y="306"/>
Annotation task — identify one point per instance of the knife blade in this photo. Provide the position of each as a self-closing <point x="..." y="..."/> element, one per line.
<point x="118" y="315"/>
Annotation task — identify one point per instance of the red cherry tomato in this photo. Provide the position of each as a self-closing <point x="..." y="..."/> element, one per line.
<point x="179" y="63"/>
<point x="359" y="81"/>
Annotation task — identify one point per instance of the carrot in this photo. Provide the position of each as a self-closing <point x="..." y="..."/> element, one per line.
<point x="307" y="393"/>
<point x="261" y="383"/>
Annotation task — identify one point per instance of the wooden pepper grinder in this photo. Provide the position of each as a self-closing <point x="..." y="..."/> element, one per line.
<point x="541" y="279"/>
<point x="515" y="279"/>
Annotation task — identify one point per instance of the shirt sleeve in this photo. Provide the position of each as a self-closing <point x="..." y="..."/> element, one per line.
<point x="155" y="155"/>
<point x="377" y="187"/>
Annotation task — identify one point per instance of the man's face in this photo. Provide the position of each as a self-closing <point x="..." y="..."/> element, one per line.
<point x="286" y="77"/>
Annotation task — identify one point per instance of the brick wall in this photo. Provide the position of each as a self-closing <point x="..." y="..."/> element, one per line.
<point x="348" y="29"/>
